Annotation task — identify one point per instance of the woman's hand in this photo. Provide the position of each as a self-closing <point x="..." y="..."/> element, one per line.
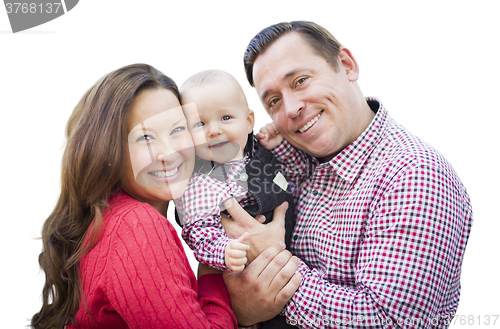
<point x="262" y="289"/>
<point x="261" y="235"/>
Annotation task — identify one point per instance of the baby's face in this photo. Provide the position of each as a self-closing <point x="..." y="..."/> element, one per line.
<point x="219" y="122"/>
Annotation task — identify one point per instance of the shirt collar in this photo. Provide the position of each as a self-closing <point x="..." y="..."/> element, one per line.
<point x="348" y="163"/>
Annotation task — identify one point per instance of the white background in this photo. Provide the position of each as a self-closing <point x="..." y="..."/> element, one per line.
<point x="433" y="64"/>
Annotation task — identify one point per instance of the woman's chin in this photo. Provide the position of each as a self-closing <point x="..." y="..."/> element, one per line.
<point x="177" y="188"/>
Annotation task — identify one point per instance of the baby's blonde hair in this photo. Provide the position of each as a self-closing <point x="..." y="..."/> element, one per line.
<point x="207" y="77"/>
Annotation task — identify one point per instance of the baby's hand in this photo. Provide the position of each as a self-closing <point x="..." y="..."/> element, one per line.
<point x="268" y="136"/>
<point x="236" y="253"/>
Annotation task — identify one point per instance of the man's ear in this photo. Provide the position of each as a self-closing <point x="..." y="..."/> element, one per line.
<point x="348" y="63"/>
<point x="251" y="121"/>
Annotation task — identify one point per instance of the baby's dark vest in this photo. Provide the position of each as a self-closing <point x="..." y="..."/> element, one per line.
<point x="263" y="178"/>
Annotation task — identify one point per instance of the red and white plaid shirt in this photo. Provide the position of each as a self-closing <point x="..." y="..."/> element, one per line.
<point x="381" y="232"/>
<point x="200" y="208"/>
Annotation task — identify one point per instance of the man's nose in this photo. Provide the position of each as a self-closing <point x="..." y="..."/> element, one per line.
<point x="293" y="105"/>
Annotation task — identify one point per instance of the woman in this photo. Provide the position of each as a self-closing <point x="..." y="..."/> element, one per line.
<point x="111" y="258"/>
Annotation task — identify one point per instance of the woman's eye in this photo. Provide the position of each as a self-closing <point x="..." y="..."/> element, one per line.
<point x="177" y="129"/>
<point x="199" y="124"/>
<point x="226" y="117"/>
<point x="144" y="138"/>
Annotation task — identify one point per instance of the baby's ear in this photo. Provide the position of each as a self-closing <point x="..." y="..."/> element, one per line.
<point x="251" y="121"/>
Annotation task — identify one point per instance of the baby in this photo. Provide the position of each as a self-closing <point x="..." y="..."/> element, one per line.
<point x="230" y="163"/>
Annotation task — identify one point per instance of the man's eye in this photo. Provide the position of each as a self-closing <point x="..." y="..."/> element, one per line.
<point x="301" y="81"/>
<point x="199" y="124"/>
<point x="177" y="130"/>
<point x="273" y="102"/>
<point x="226" y="117"/>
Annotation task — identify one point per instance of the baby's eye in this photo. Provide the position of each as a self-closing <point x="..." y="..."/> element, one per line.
<point x="226" y="117"/>
<point x="177" y="130"/>
<point x="199" y="124"/>
<point x="145" y="138"/>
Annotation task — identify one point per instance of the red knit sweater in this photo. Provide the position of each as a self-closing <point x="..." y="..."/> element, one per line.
<point x="137" y="276"/>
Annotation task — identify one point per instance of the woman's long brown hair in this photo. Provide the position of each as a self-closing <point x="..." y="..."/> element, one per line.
<point x="91" y="168"/>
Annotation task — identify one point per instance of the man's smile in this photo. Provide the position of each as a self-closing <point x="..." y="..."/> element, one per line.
<point x="310" y="123"/>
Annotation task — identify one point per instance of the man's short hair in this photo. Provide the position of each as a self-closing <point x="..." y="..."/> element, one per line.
<point x="320" y="40"/>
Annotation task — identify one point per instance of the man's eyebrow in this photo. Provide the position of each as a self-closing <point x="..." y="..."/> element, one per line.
<point x="291" y="74"/>
<point x="264" y="94"/>
<point x="285" y="77"/>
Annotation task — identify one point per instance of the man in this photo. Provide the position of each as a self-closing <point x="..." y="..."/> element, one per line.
<point x="382" y="218"/>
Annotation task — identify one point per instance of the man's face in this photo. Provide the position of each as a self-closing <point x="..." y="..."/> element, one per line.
<point x="314" y="107"/>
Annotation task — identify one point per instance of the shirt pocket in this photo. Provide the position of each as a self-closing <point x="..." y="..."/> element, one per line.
<point x="337" y="246"/>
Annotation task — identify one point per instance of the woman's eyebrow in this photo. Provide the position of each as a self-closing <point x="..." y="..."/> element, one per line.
<point x="142" y="126"/>
<point x="175" y="123"/>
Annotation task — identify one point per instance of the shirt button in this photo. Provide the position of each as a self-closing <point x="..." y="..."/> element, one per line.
<point x="296" y="236"/>
<point x="243" y="177"/>
<point x="315" y="192"/>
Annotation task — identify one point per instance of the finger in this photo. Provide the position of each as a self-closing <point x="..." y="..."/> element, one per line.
<point x="285" y="274"/>
<point x="262" y="261"/>
<point x="228" y="224"/>
<point x="225" y="220"/>
<point x="237" y="268"/>
<point x="279" y="215"/>
<point x="235" y="253"/>
<point x="240" y="246"/>
<point x="271" y="127"/>
<point x="238" y="214"/>
<point x="270" y="274"/>
<point x="261" y="135"/>
<point x="288" y="290"/>
<point x="244" y="239"/>
<point x="261" y="219"/>
<point x="264" y="130"/>
<point x="238" y="261"/>
<point x="230" y="203"/>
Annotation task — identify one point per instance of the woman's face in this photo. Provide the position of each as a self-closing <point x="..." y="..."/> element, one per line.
<point x="160" y="149"/>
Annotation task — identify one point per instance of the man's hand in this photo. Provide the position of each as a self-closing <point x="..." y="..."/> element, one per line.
<point x="269" y="136"/>
<point x="261" y="235"/>
<point x="262" y="289"/>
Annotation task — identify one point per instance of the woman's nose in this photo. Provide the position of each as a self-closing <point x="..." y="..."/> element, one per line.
<point x="166" y="153"/>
